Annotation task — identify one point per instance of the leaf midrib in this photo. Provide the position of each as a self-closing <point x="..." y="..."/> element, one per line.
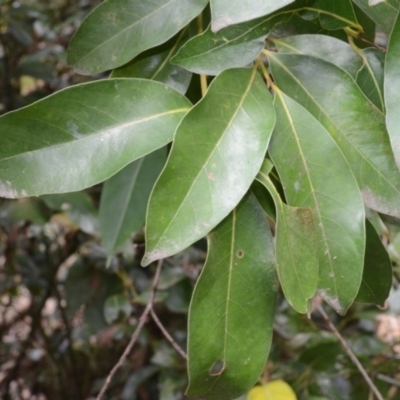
<point x="95" y="135"/>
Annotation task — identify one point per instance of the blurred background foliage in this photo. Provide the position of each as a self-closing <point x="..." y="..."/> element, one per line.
<point x="67" y="310"/>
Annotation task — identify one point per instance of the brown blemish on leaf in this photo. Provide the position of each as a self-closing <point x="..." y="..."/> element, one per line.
<point x="217" y="368"/>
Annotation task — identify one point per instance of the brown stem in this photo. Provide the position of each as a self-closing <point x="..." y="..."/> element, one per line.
<point x="135" y="335"/>
<point x="350" y="353"/>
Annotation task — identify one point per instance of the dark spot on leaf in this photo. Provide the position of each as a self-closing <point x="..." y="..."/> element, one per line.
<point x="240" y="253"/>
<point x="217" y="368"/>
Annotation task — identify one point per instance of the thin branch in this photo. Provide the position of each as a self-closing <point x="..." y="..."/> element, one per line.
<point x="135" y="335"/>
<point x="350" y="353"/>
<point x="167" y="335"/>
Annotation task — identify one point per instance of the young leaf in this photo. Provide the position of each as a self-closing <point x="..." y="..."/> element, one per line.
<point x="235" y="46"/>
<point x="377" y="276"/>
<point x="232" y="309"/>
<point x="156" y="64"/>
<point x="124" y="199"/>
<point x="303" y="153"/>
<point x="392" y="87"/>
<point x="352" y="120"/>
<point x="84" y="134"/>
<point x="382" y="12"/>
<point x="328" y="48"/>
<point x="296" y="249"/>
<point x="231" y="12"/>
<point x="217" y="151"/>
<point x="101" y="41"/>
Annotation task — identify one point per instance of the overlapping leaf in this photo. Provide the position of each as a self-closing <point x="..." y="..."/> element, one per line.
<point x="231" y="12"/>
<point x="332" y="14"/>
<point x="217" y="152"/>
<point x="118" y="30"/>
<point x="383" y="12"/>
<point x="315" y="175"/>
<point x="296" y="249"/>
<point x="232" y="309"/>
<point x="377" y="275"/>
<point x="357" y="126"/>
<point x="84" y="134"/>
<point x="124" y="199"/>
<point x="392" y="87"/>
<point x="235" y="46"/>
<point x="325" y="47"/>
<point x="156" y="64"/>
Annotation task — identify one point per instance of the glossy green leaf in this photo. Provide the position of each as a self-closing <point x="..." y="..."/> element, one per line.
<point x="325" y="47"/>
<point x="231" y="12"/>
<point x="264" y="198"/>
<point x="377" y="276"/>
<point x="217" y="151"/>
<point x="84" y="134"/>
<point x="370" y="76"/>
<point x="303" y="153"/>
<point x="383" y="12"/>
<point x="118" y="30"/>
<point x="235" y="46"/>
<point x="155" y="64"/>
<point x="232" y="309"/>
<point x="79" y="208"/>
<point x="392" y="87"/>
<point x="124" y="199"/>
<point x="357" y="126"/>
<point x="332" y="14"/>
<point x="296" y="249"/>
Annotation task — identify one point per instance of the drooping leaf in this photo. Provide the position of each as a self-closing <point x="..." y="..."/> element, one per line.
<point x="352" y="120"/>
<point x="156" y="64"/>
<point x="217" y="151"/>
<point x="383" y="12"/>
<point x="235" y="46"/>
<point x="231" y="313"/>
<point x="328" y="48"/>
<point x="303" y="153"/>
<point x="274" y="390"/>
<point x="84" y="134"/>
<point x="370" y="76"/>
<point x="118" y="30"/>
<point x="392" y="87"/>
<point x="124" y="199"/>
<point x="377" y="276"/>
<point x="231" y="12"/>
<point x="296" y="249"/>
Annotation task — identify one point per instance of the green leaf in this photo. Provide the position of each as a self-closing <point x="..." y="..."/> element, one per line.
<point x="377" y="276"/>
<point x="217" y="151"/>
<point x="383" y="12"/>
<point x="392" y="87"/>
<point x="156" y="64"/>
<point x="357" y="126"/>
<point x="124" y="199"/>
<point x="101" y="41"/>
<point x="370" y="76"/>
<point x="232" y="309"/>
<point x="303" y="153"/>
<point x="231" y="12"/>
<point x="235" y="46"/>
<point x="325" y="47"/>
<point x="84" y="134"/>
<point x="332" y="14"/>
<point x="296" y="249"/>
